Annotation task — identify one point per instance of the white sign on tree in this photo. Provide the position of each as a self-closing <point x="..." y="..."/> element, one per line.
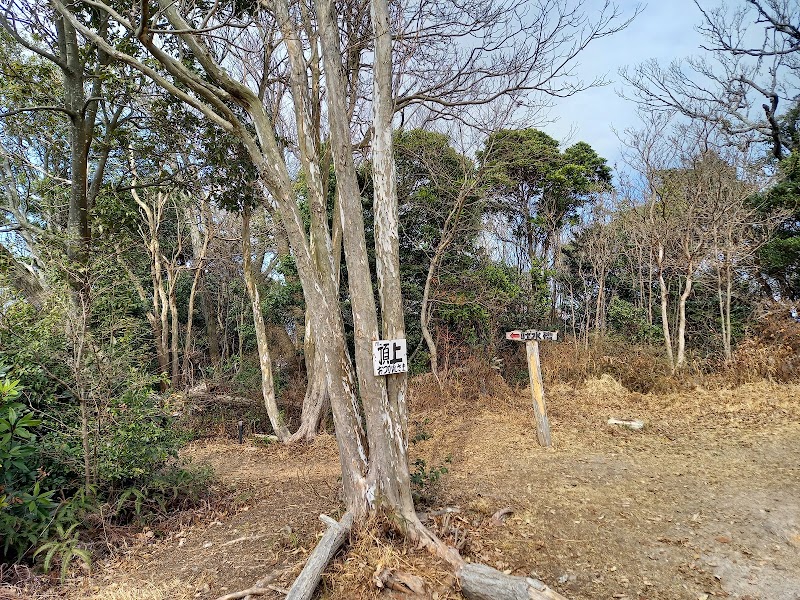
<point x="389" y="357"/>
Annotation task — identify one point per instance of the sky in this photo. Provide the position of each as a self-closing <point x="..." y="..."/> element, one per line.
<point x="665" y="30"/>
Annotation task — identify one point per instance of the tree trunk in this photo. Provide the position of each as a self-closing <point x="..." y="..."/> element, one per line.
<point x="480" y="582"/>
<point x="199" y="251"/>
<point x="187" y="345"/>
<point x="316" y="401"/>
<point x="264" y="360"/>
<point x="662" y="285"/>
<point x="172" y="283"/>
<point x="388" y="478"/>
<point x="425" y="319"/>
<point x="728" y="297"/>
<point x="390" y="465"/>
<point x="680" y="360"/>
<point x="724" y="300"/>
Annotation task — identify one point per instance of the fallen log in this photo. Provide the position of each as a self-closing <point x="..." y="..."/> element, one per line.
<point x="481" y="582"/>
<point x="305" y="584"/>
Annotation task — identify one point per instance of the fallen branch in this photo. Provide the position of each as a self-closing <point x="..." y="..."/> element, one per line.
<point x="260" y="588"/>
<point x="247" y="538"/>
<point x="254" y="591"/>
<point x="305" y="584"/>
<point x="500" y="516"/>
<point x="481" y="582"/>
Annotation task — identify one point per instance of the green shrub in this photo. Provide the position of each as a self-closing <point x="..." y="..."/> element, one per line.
<point x="175" y="487"/>
<point x="25" y="504"/>
<point x="631" y="322"/>
<point x="139" y="441"/>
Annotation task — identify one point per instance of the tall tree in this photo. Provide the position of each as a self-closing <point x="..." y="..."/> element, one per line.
<point x="92" y="113"/>
<point x="538" y="189"/>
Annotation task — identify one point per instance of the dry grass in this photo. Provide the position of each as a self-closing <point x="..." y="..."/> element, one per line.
<point x="174" y="590"/>
<point x="374" y="547"/>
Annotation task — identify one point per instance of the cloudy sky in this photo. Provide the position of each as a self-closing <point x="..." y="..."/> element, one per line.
<point x="664" y="31"/>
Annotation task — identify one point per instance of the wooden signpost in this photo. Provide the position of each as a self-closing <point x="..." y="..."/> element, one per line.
<point x="532" y="338"/>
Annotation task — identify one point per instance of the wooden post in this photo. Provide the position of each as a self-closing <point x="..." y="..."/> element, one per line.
<point x="532" y="337"/>
<point x="537" y="393"/>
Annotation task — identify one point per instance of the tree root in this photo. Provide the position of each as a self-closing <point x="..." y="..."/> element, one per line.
<point x="481" y="582"/>
<point x="477" y="581"/>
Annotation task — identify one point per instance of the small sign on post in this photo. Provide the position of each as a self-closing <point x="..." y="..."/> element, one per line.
<point x="389" y="357"/>
<point x="532" y="338"/>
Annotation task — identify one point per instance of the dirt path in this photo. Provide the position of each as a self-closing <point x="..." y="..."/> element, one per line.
<point x="704" y="502"/>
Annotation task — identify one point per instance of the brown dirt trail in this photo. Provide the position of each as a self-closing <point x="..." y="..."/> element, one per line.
<point x="704" y="502"/>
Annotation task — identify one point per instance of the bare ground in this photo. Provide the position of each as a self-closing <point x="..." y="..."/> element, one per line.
<point x="702" y="503"/>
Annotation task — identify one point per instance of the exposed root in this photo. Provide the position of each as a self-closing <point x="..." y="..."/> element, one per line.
<point x="481" y="582"/>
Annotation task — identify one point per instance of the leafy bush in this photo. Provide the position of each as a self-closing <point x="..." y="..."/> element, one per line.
<point x="25" y="505"/>
<point x="631" y="322"/>
<point x="140" y="438"/>
<point x="175" y="487"/>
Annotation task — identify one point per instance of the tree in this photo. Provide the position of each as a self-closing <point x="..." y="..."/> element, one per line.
<point x="539" y="189"/>
<point x="92" y="111"/>
<point x="724" y="90"/>
<point x="695" y="211"/>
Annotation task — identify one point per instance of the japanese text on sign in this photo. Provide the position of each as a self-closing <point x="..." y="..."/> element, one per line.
<point x="389" y="357"/>
<point x="531" y="335"/>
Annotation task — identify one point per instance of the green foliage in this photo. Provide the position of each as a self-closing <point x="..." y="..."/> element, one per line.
<point x="631" y="321"/>
<point x="487" y="298"/>
<point x="25" y="506"/>
<point x="421" y="435"/>
<point x="425" y="480"/>
<point x="283" y="301"/>
<point x="63" y="546"/>
<point x="142" y="439"/>
<point x="173" y="487"/>
<point x="779" y="259"/>
<point x="537" y="187"/>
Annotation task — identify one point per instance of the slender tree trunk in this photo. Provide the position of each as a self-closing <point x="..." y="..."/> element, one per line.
<point x="391" y="469"/>
<point x="650" y="288"/>
<point x="172" y="284"/>
<point x="425" y="321"/>
<point x="199" y="251"/>
<point x="662" y="285"/>
<point x="724" y="321"/>
<point x="320" y="237"/>
<point x="187" y="343"/>
<point x="264" y="360"/>
<point x="728" y="296"/>
<point x="598" y="309"/>
<point x="680" y="360"/>
<point x="163" y="305"/>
